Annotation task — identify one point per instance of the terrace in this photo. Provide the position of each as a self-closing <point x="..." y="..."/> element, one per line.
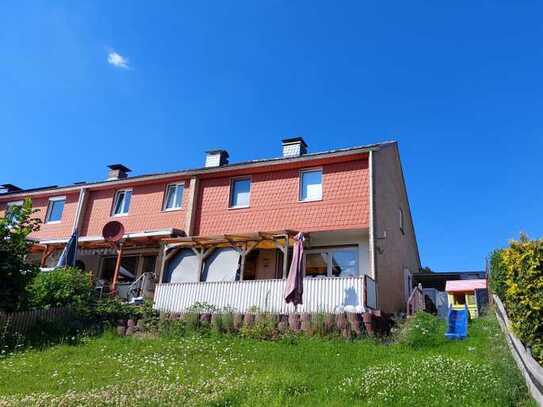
<point x="247" y="271"/>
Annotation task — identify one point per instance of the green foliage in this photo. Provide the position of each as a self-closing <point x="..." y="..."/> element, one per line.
<point x="192" y="321"/>
<point x="112" y="309"/>
<point x="201" y="308"/>
<point x="497" y="273"/>
<point x="62" y="287"/>
<point x="15" y="273"/>
<point x="264" y="327"/>
<point x="172" y="328"/>
<point x="423" y="330"/>
<point x="227" y="321"/>
<point x="217" y="323"/>
<point x="523" y="264"/>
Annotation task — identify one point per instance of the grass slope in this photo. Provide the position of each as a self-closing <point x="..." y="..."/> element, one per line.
<point x="220" y="371"/>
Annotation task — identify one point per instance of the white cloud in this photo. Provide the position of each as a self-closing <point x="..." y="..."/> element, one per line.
<point x="117" y="60"/>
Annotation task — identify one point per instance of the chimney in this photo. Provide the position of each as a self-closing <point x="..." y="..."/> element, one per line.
<point x="294" y="147"/>
<point x="8" y="188"/>
<point x="117" y="171"/>
<point x="216" y="158"/>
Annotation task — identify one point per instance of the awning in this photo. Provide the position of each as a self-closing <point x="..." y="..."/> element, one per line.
<point x="144" y="238"/>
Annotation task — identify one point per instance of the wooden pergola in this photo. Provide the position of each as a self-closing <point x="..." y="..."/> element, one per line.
<point x="244" y="243"/>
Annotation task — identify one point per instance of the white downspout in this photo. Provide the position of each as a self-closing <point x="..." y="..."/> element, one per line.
<point x="371" y="218"/>
<point x="80" y="210"/>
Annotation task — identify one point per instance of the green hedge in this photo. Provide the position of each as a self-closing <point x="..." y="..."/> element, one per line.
<point x="517" y="277"/>
<point x="497" y="277"/>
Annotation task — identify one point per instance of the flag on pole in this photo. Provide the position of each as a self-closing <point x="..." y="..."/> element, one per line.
<point x="67" y="258"/>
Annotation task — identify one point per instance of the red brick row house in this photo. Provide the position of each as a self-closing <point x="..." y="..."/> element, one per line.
<point x="222" y="234"/>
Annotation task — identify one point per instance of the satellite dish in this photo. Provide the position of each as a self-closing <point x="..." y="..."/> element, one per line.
<point x="113" y="231"/>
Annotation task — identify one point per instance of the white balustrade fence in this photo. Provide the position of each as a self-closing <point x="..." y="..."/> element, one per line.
<point x="330" y="294"/>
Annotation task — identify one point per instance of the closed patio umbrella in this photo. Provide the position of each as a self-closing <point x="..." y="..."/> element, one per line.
<point x="69" y="254"/>
<point x="295" y="282"/>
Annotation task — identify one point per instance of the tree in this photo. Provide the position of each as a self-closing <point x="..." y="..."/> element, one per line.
<point x="15" y="272"/>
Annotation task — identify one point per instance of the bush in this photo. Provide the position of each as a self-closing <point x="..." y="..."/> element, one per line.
<point x="264" y="327"/>
<point x="61" y="287"/>
<point x="497" y="275"/>
<point x="523" y="263"/>
<point x="114" y="309"/>
<point x="421" y="331"/>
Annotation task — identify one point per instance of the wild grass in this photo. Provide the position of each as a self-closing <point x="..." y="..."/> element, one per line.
<point x="223" y="370"/>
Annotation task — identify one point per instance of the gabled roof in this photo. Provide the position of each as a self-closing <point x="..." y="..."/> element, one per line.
<point x="209" y="170"/>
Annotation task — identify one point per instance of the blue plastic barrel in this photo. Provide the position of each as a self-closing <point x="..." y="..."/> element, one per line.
<point x="457" y="323"/>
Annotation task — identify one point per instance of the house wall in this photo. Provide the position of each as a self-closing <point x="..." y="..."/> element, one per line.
<point x="348" y="237"/>
<point x="145" y="211"/>
<point x="397" y="251"/>
<point x="57" y="230"/>
<point x="274" y="203"/>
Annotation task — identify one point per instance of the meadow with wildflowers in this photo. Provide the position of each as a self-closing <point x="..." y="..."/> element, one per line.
<point x="223" y="370"/>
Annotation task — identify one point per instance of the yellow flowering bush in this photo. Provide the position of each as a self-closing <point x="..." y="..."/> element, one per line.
<point x="523" y="263"/>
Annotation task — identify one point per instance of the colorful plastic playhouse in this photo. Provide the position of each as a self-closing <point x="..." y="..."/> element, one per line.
<point x="470" y="294"/>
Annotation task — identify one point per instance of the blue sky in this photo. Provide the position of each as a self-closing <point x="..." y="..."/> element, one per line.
<point x="459" y="86"/>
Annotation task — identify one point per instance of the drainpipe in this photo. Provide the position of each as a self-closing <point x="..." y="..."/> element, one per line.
<point x="191" y="206"/>
<point x="371" y="218"/>
<point x="81" y="206"/>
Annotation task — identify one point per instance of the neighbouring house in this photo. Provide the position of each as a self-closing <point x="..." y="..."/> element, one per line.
<point x="223" y="234"/>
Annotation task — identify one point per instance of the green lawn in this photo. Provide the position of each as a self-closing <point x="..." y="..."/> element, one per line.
<point x="216" y="371"/>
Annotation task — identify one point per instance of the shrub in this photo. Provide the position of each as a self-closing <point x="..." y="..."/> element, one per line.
<point x="61" y="287"/>
<point x="497" y="275"/>
<point x="523" y="263"/>
<point x="264" y="327"/>
<point x="422" y="330"/>
<point x="114" y="309"/>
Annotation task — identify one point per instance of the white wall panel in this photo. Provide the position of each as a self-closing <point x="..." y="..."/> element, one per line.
<point x="330" y="294"/>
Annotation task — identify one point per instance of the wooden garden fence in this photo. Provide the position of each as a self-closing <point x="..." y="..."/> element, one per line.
<point x="531" y="370"/>
<point x="23" y="321"/>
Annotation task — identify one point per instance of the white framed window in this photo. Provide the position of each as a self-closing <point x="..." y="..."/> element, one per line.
<point x="174" y="197"/>
<point x="310" y="185"/>
<point x="55" y="209"/>
<point x="240" y="193"/>
<point x="121" y="203"/>
<point x="332" y="262"/>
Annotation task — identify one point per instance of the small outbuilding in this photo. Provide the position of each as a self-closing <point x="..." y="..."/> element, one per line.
<point x="473" y="293"/>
